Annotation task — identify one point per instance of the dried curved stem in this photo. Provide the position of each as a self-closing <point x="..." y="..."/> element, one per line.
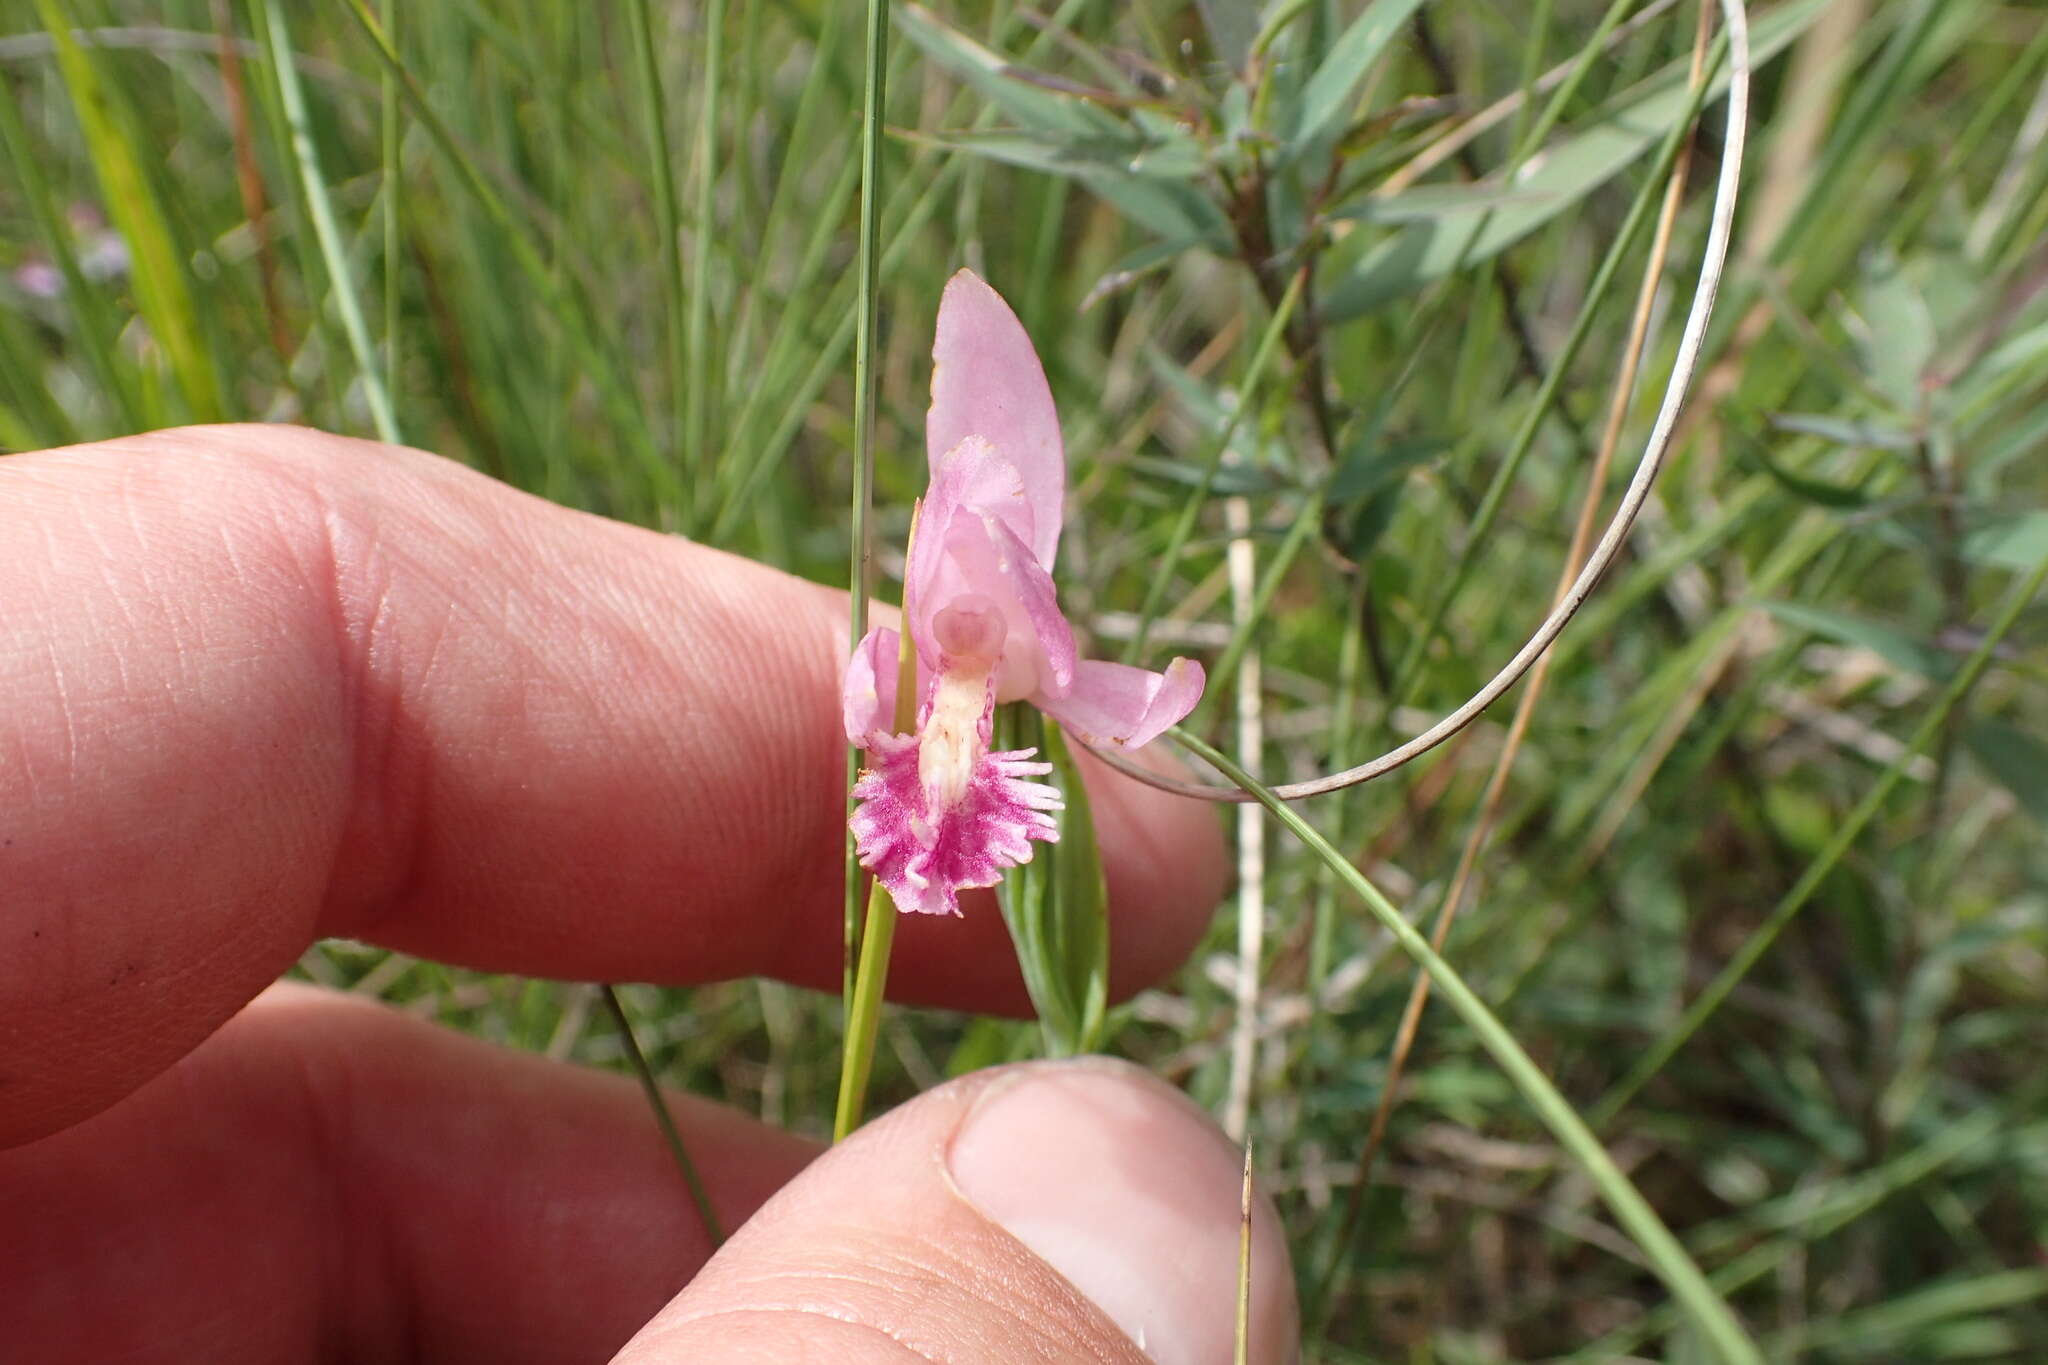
<point x="1525" y="705"/>
<point x="1655" y="452"/>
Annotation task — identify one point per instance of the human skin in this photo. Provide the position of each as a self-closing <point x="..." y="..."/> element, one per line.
<point x="265" y="685"/>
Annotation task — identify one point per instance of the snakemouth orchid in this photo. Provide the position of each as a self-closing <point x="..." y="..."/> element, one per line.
<point x="938" y="811"/>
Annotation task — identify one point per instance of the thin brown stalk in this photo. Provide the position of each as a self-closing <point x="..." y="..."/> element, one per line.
<point x="249" y="179"/>
<point x="1525" y="707"/>
<point x="1242" y="1349"/>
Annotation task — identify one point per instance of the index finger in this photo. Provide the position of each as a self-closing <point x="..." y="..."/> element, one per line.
<point x="267" y="685"/>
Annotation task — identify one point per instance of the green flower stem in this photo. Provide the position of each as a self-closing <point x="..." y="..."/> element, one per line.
<point x="1713" y="1317"/>
<point x="864" y="1011"/>
<point x="878" y="935"/>
<point x="656" y="1101"/>
<point x="861" y="571"/>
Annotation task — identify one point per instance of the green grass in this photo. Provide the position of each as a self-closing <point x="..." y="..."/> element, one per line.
<point x="1766" y="898"/>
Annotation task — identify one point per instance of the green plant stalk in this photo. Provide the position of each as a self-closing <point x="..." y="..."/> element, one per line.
<point x="864" y="1011"/>
<point x="161" y="290"/>
<point x="332" y="252"/>
<point x="698" y="339"/>
<point x="656" y="1101"/>
<point x="860" y="572"/>
<point x="1758" y="943"/>
<point x="1666" y="1256"/>
<point x="391" y="141"/>
<point x="667" y="216"/>
<point x="1184" y="524"/>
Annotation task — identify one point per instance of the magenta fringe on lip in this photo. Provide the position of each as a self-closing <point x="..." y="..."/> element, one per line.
<point x="925" y="857"/>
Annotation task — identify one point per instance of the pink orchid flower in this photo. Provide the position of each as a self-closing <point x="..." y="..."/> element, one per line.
<point x="938" y="811"/>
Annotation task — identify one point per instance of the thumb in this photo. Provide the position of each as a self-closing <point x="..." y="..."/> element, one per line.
<point x="1050" y="1211"/>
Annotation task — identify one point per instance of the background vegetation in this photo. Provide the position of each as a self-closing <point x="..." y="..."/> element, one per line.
<point x="1762" y="885"/>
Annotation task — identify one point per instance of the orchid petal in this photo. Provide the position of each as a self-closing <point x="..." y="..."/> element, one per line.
<point x="987" y="382"/>
<point x="969" y="485"/>
<point x="867" y="694"/>
<point x="926" y="858"/>
<point x="963" y="547"/>
<point x="1116" y="704"/>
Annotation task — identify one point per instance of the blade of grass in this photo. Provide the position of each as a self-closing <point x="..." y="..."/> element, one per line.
<point x="391" y="147"/>
<point x="697" y="389"/>
<point x="667" y="216"/>
<point x="249" y="181"/>
<point x="861" y="570"/>
<point x="162" y="290"/>
<point x="341" y="277"/>
<point x="672" y="1135"/>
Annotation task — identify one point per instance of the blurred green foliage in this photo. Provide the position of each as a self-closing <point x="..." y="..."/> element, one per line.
<point x="605" y="253"/>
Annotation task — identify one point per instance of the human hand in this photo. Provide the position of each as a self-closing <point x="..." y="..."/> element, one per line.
<point x="264" y="685"/>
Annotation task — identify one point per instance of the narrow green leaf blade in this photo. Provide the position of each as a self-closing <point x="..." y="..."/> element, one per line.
<point x="162" y="291"/>
<point x="1895" y="647"/>
<point x="1329" y="92"/>
<point x="2017" y="759"/>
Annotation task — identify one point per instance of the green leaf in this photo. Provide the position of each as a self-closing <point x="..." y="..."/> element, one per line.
<point x="2016" y="758"/>
<point x="1370" y="522"/>
<point x="1327" y="97"/>
<point x="1369" y="466"/>
<point x="1817" y="491"/>
<point x="1121" y="154"/>
<point x="1236" y="480"/>
<point x="1057" y="906"/>
<point x="1034" y="106"/>
<point x="1897" y="332"/>
<point x="1556" y="179"/>
<point x="1147" y="183"/>
<point x="1204" y="405"/>
<point x="1126" y="271"/>
<point x="1843" y="431"/>
<point x="1080" y="919"/>
<point x="1895" y="647"/>
<point x="2016" y="543"/>
<point x="1141" y="174"/>
<point x="1232" y="25"/>
<point x="1429" y="203"/>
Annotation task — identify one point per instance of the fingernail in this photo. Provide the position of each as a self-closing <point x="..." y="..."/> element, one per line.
<point x="1126" y="1188"/>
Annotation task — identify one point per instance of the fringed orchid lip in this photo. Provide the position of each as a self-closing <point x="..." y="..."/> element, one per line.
<point x="937" y="810"/>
